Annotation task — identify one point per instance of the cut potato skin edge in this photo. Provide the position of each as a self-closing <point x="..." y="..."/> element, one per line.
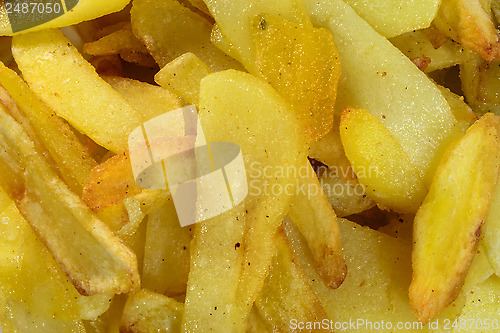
<point x="448" y="224"/>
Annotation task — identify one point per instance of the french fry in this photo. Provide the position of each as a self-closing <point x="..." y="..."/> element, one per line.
<point x="72" y="161"/>
<point x="108" y="118"/>
<point x="394" y="17"/>
<point x="146" y="311"/>
<point x="467" y="22"/>
<point x="316" y="220"/>
<point x="166" y="257"/>
<point x="287" y="295"/>
<point x="418" y="44"/>
<point x="448" y="224"/>
<point x="231" y="253"/>
<point x="149" y="100"/>
<point x="183" y="76"/>
<point x="302" y="64"/>
<point x="380" y="163"/>
<point x="180" y="31"/>
<point x="115" y="42"/>
<point x="94" y="259"/>
<point x="30" y="277"/>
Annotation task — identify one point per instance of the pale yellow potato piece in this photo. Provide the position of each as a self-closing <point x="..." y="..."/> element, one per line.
<point x="376" y="286"/>
<point x="64" y="80"/>
<point x="381" y="164"/>
<point x="394" y="17"/>
<point x="491" y="232"/>
<point x="377" y="77"/>
<point x="482" y="306"/>
<point x="166" y="257"/>
<point x="31" y="283"/>
<point x="146" y="311"/>
<point x="459" y="199"/>
<point x="115" y="43"/>
<point x="168" y="29"/>
<point x="417" y="44"/>
<point x="83" y="11"/>
<point x="231" y="253"/>
<point x="95" y="260"/>
<point x="235" y="19"/>
<point x="470" y="24"/>
<point x="72" y="161"/>
<point x="316" y="220"/>
<point x="149" y="100"/>
<point x="183" y="76"/>
<point x="287" y="295"/>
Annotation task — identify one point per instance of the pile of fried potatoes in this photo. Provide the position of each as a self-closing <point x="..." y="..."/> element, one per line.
<point x="371" y="146"/>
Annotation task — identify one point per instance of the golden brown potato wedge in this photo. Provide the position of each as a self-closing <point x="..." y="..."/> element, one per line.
<point x="448" y="224"/>
<point x="467" y="22"/>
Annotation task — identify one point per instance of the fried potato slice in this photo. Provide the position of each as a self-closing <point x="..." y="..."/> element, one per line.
<point x="394" y="17"/>
<point x="115" y="42"/>
<point x="71" y="159"/>
<point x="83" y="10"/>
<point x="64" y="80"/>
<point x="418" y="44"/>
<point x="316" y="220"/>
<point x="287" y="296"/>
<point x="302" y="64"/>
<point x="235" y="20"/>
<point x="180" y="31"/>
<point x="33" y="289"/>
<point x="380" y="163"/>
<point x="231" y="253"/>
<point x="166" y="257"/>
<point x="183" y="76"/>
<point x="491" y="232"/>
<point x="95" y="260"/>
<point x="377" y="77"/>
<point x="146" y="311"/>
<point x="148" y="99"/>
<point x="468" y="22"/>
<point x="448" y="224"/>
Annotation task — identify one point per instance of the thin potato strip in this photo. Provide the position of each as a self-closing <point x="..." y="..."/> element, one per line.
<point x="316" y="220"/>
<point x="167" y="246"/>
<point x="115" y="43"/>
<point x="286" y="294"/>
<point x="94" y="259"/>
<point x="448" y="224"/>
<point x="63" y="79"/>
<point x="467" y="22"/>
<point x="73" y="162"/>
